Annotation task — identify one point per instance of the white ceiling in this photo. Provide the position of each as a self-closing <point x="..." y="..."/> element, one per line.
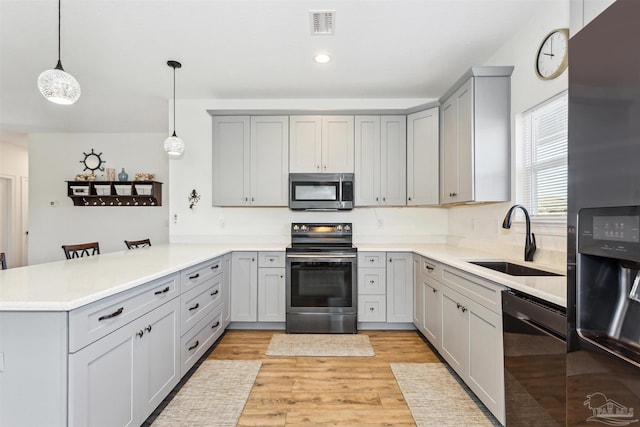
<point x="117" y="50"/>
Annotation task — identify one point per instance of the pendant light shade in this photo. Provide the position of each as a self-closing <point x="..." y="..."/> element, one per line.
<point x="173" y="145"/>
<point x="57" y="85"/>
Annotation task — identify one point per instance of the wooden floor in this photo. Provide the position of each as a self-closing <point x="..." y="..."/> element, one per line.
<point x="325" y="391"/>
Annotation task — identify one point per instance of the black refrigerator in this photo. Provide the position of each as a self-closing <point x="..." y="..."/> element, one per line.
<point x="603" y="239"/>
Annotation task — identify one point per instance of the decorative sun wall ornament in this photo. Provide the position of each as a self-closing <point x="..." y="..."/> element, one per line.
<point x="194" y="198"/>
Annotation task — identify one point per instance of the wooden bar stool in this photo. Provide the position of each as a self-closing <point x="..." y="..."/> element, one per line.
<point x="80" y="250"/>
<point x="3" y="261"/>
<point x="135" y="244"/>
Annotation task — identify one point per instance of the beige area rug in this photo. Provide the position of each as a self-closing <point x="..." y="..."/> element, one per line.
<point x="214" y="395"/>
<point x="436" y="398"/>
<point x="320" y="345"/>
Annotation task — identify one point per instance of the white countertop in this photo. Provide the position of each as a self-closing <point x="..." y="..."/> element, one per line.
<point x="548" y="288"/>
<point x="69" y="284"/>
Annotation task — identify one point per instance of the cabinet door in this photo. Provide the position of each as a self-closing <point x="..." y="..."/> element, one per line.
<point x="486" y="373"/>
<point x="399" y="287"/>
<point x="337" y="144"/>
<point x="231" y="151"/>
<point x="367" y="160"/>
<point x="393" y="146"/>
<point x="432" y="326"/>
<point x="269" y="160"/>
<point x="457" y="146"/>
<point x="244" y="287"/>
<point x="226" y="290"/>
<point x="418" y="294"/>
<point x="423" y="158"/>
<point x="101" y="384"/>
<point x="305" y="144"/>
<point x="455" y="331"/>
<point x="271" y="295"/>
<point x="157" y="368"/>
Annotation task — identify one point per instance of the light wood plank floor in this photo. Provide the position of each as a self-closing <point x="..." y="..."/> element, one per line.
<point x="326" y="391"/>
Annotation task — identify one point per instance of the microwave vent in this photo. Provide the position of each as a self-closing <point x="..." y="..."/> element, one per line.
<point x="322" y="22"/>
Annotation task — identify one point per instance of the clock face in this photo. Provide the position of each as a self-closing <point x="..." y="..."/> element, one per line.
<point x="552" y="56"/>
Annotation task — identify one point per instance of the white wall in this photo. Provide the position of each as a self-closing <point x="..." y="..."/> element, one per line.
<point x="55" y="158"/>
<point x="208" y="223"/>
<point x="480" y="225"/>
<point x="14" y="170"/>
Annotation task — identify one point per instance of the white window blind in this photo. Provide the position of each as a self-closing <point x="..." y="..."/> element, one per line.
<point x="544" y="158"/>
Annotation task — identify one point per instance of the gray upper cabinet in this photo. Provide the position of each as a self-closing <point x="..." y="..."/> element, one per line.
<point x="475" y="131"/>
<point x="584" y="11"/>
<point x="321" y="144"/>
<point x="250" y="160"/>
<point x="423" y="158"/>
<point x="380" y="160"/>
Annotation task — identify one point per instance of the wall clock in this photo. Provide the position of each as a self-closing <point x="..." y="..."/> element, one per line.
<point x="552" y="56"/>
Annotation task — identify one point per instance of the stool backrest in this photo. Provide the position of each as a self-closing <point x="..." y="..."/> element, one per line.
<point x="135" y="244"/>
<point x="80" y="250"/>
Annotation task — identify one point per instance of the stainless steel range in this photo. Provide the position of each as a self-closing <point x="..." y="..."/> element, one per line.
<point x="321" y="279"/>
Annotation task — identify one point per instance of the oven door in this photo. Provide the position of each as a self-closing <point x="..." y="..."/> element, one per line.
<point x="321" y="283"/>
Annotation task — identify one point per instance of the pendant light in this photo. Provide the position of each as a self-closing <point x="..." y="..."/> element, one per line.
<point x="173" y="145"/>
<point x="57" y="85"/>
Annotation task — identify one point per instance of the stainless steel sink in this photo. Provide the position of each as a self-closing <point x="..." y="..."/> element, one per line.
<point x="513" y="269"/>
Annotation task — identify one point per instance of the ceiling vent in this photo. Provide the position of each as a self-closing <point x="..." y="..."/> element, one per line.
<point x="322" y="22"/>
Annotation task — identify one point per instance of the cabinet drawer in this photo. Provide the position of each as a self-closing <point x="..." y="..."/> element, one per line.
<point x="93" y="321"/>
<point x="372" y="259"/>
<point x="193" y="276"/>
<point x="480" y="290"/>
<point x="430" y="268"/>
<point x="194" y="344"/>
<point x="271" y="259"/>
<point x="372" y="308"/>
<point x="197" y="302"/>
<point x="372" y="281"/>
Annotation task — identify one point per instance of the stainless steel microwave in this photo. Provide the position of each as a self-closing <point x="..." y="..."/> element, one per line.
<point x="321" y="191"/>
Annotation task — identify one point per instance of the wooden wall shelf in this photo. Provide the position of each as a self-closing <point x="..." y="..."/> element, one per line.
<point x="115" y="193"/>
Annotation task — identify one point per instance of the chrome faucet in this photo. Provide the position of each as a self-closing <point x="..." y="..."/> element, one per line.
<point x="530" y="238"/>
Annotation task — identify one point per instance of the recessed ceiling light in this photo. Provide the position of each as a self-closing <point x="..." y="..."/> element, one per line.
<point x="322" y="58"/>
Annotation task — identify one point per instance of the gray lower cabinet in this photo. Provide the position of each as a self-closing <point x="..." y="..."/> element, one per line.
<point x="460" y="314"/>
<point x="244" y="286"/>
<point x="399" y="287"/>
<point x="258" y="286"/>
<point x="472" y="335"/>
<point x="271" y="287"/>
<point x="113" y="361"/>
<point x="120" y="379"/>
<point x="427" y="302"/>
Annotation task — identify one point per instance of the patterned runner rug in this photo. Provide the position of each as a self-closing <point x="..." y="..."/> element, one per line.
<point x="435" y="397"/>
<point x="214" y="395"/>
<point x="320" y="345"/>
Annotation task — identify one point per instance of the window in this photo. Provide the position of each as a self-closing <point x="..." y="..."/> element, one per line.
<point x="544" y="159"/>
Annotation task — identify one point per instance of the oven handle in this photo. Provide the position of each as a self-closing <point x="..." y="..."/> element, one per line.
<point x="325" y="255"/>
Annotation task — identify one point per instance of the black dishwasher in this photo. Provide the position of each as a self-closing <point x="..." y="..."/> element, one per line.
<point x="534" y="360"/>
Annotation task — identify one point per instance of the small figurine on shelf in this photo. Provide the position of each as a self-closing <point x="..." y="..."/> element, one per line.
<point x="123" y="176"/>
<point x="111" y="174"/>
<point x="194" y="198"/>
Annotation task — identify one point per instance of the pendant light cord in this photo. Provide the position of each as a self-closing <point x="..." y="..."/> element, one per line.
<point x="174" y="101"/>
<point x="59" y="26"/>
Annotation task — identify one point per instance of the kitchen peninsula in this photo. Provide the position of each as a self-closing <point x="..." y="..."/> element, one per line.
<point x="137" y="307"/>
